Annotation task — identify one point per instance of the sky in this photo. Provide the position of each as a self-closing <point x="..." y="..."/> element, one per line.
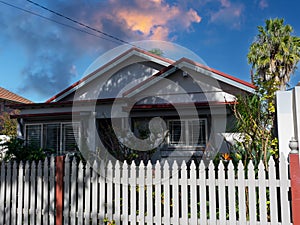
<point x="42" y="53"/>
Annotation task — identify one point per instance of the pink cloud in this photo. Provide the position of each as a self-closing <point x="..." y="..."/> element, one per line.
<point x="154" y="19"/>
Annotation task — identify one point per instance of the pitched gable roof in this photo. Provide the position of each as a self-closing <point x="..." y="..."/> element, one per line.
<point x="8" y="95"/>
<point x="184" y="62"/>
<point x="169" y="67"/>
<point x="133" y="51"/>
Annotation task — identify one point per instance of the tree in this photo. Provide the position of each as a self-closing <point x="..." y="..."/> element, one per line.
<point x="8" y="125"/>
<point x="157" y="51"/>
<point x="275" y="53"/>
<point x="273" y="56"/>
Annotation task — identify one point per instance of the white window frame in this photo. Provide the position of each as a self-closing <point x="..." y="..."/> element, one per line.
<point x="186" y="130"/>
<point x="60" y="150"/>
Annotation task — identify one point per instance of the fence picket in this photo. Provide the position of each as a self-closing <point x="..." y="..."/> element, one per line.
<point x="231" y="193"/>
<point x="133" y="203"/>
<point x="67" y="172"/>
<point x="193" y="188"/>
<point x="80" y="197"/>
<point x="87" y="195"/>
<point x="117" y="190"/>
<point x="94" y="197"/>
<point x="46" y="192"/>
<point x="32" y="191"/>
<point x="26" y="193"/>
<point x="241" y="193"/>
<point x="102" y="181"/>
<point x="273" y="192"/>
<point x="8" y="193"/>
<point x="141" y="194"/>
<point x="149" y="193"/>
<point x="202" y="193"/>
<point x="184" y="193"/>
<point x="125" y="189"/>
<point x="251" y="193"/>
<point x="166" y="193"/>
<point x="175" y="192"/>
<point x="52" y="191"/>
<point x="73" y="192"/>
<point x="20" y="194"/>
<point x="221" y="192"/>
<point x="212" y="193"/>
<point x="109" y="190"/>
<point x="284" y="189"/>
<point x="158" y="197"/>
<point x="262" y="194"/>
<point x="14" y="193"/>
<point x="39" y="194"/>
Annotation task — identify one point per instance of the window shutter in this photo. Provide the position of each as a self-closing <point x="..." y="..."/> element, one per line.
<point x="70" y="135"/>
<point x="33" y="135"/>
<point x="52" y="136"/>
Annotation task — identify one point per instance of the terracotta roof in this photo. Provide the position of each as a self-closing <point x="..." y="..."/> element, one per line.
<point x="8" y="95"/>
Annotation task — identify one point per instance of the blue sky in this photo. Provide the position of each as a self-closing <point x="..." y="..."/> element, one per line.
<point x="40" y="57"/>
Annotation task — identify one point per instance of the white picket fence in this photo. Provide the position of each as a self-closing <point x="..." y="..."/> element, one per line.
<point x="27" y="193"/>
<point x="146" y="194"/>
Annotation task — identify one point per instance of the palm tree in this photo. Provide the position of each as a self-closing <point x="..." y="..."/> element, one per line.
<point x="275" y="53"/>
<point x="274" y="56"/>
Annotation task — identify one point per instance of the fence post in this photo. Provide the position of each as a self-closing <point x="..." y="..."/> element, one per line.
<point x="59" y="176"/>
<point x="295" y="181"/>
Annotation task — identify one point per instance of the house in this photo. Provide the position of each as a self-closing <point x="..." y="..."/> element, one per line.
<point x="7" y="98"/>
<point x="173" y="109"/>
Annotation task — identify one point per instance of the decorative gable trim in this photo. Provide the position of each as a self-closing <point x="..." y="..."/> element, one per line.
<point x="111" y="64"/>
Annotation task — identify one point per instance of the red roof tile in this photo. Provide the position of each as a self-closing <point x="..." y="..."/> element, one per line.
<point x="8" y="95"/>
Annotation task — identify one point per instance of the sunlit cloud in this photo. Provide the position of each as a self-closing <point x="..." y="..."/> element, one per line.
<point x="151" y="17"/>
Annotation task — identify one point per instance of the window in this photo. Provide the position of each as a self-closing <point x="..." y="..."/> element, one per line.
<point x="188" y="132"/>
<point x="34" y="134"/>
<point x="70" y="135"/>
<point x="51" y="136"/>
<point x="58" y="136"/>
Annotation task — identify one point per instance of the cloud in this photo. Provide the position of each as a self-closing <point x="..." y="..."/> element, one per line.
<point x="263" y="4"/>
<point x="151" y="17"/>
<point x="229" y="13"/>
<point x="53" y="52"/>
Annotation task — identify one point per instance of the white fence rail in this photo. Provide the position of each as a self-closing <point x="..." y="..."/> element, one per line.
<point x="146" y="194"/>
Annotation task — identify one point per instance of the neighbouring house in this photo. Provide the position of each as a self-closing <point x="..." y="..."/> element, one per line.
<point x="8" y="98"/>
<point x="189" y="101"/>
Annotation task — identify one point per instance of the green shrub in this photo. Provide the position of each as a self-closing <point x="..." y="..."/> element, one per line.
<point x="19" y="150"/>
